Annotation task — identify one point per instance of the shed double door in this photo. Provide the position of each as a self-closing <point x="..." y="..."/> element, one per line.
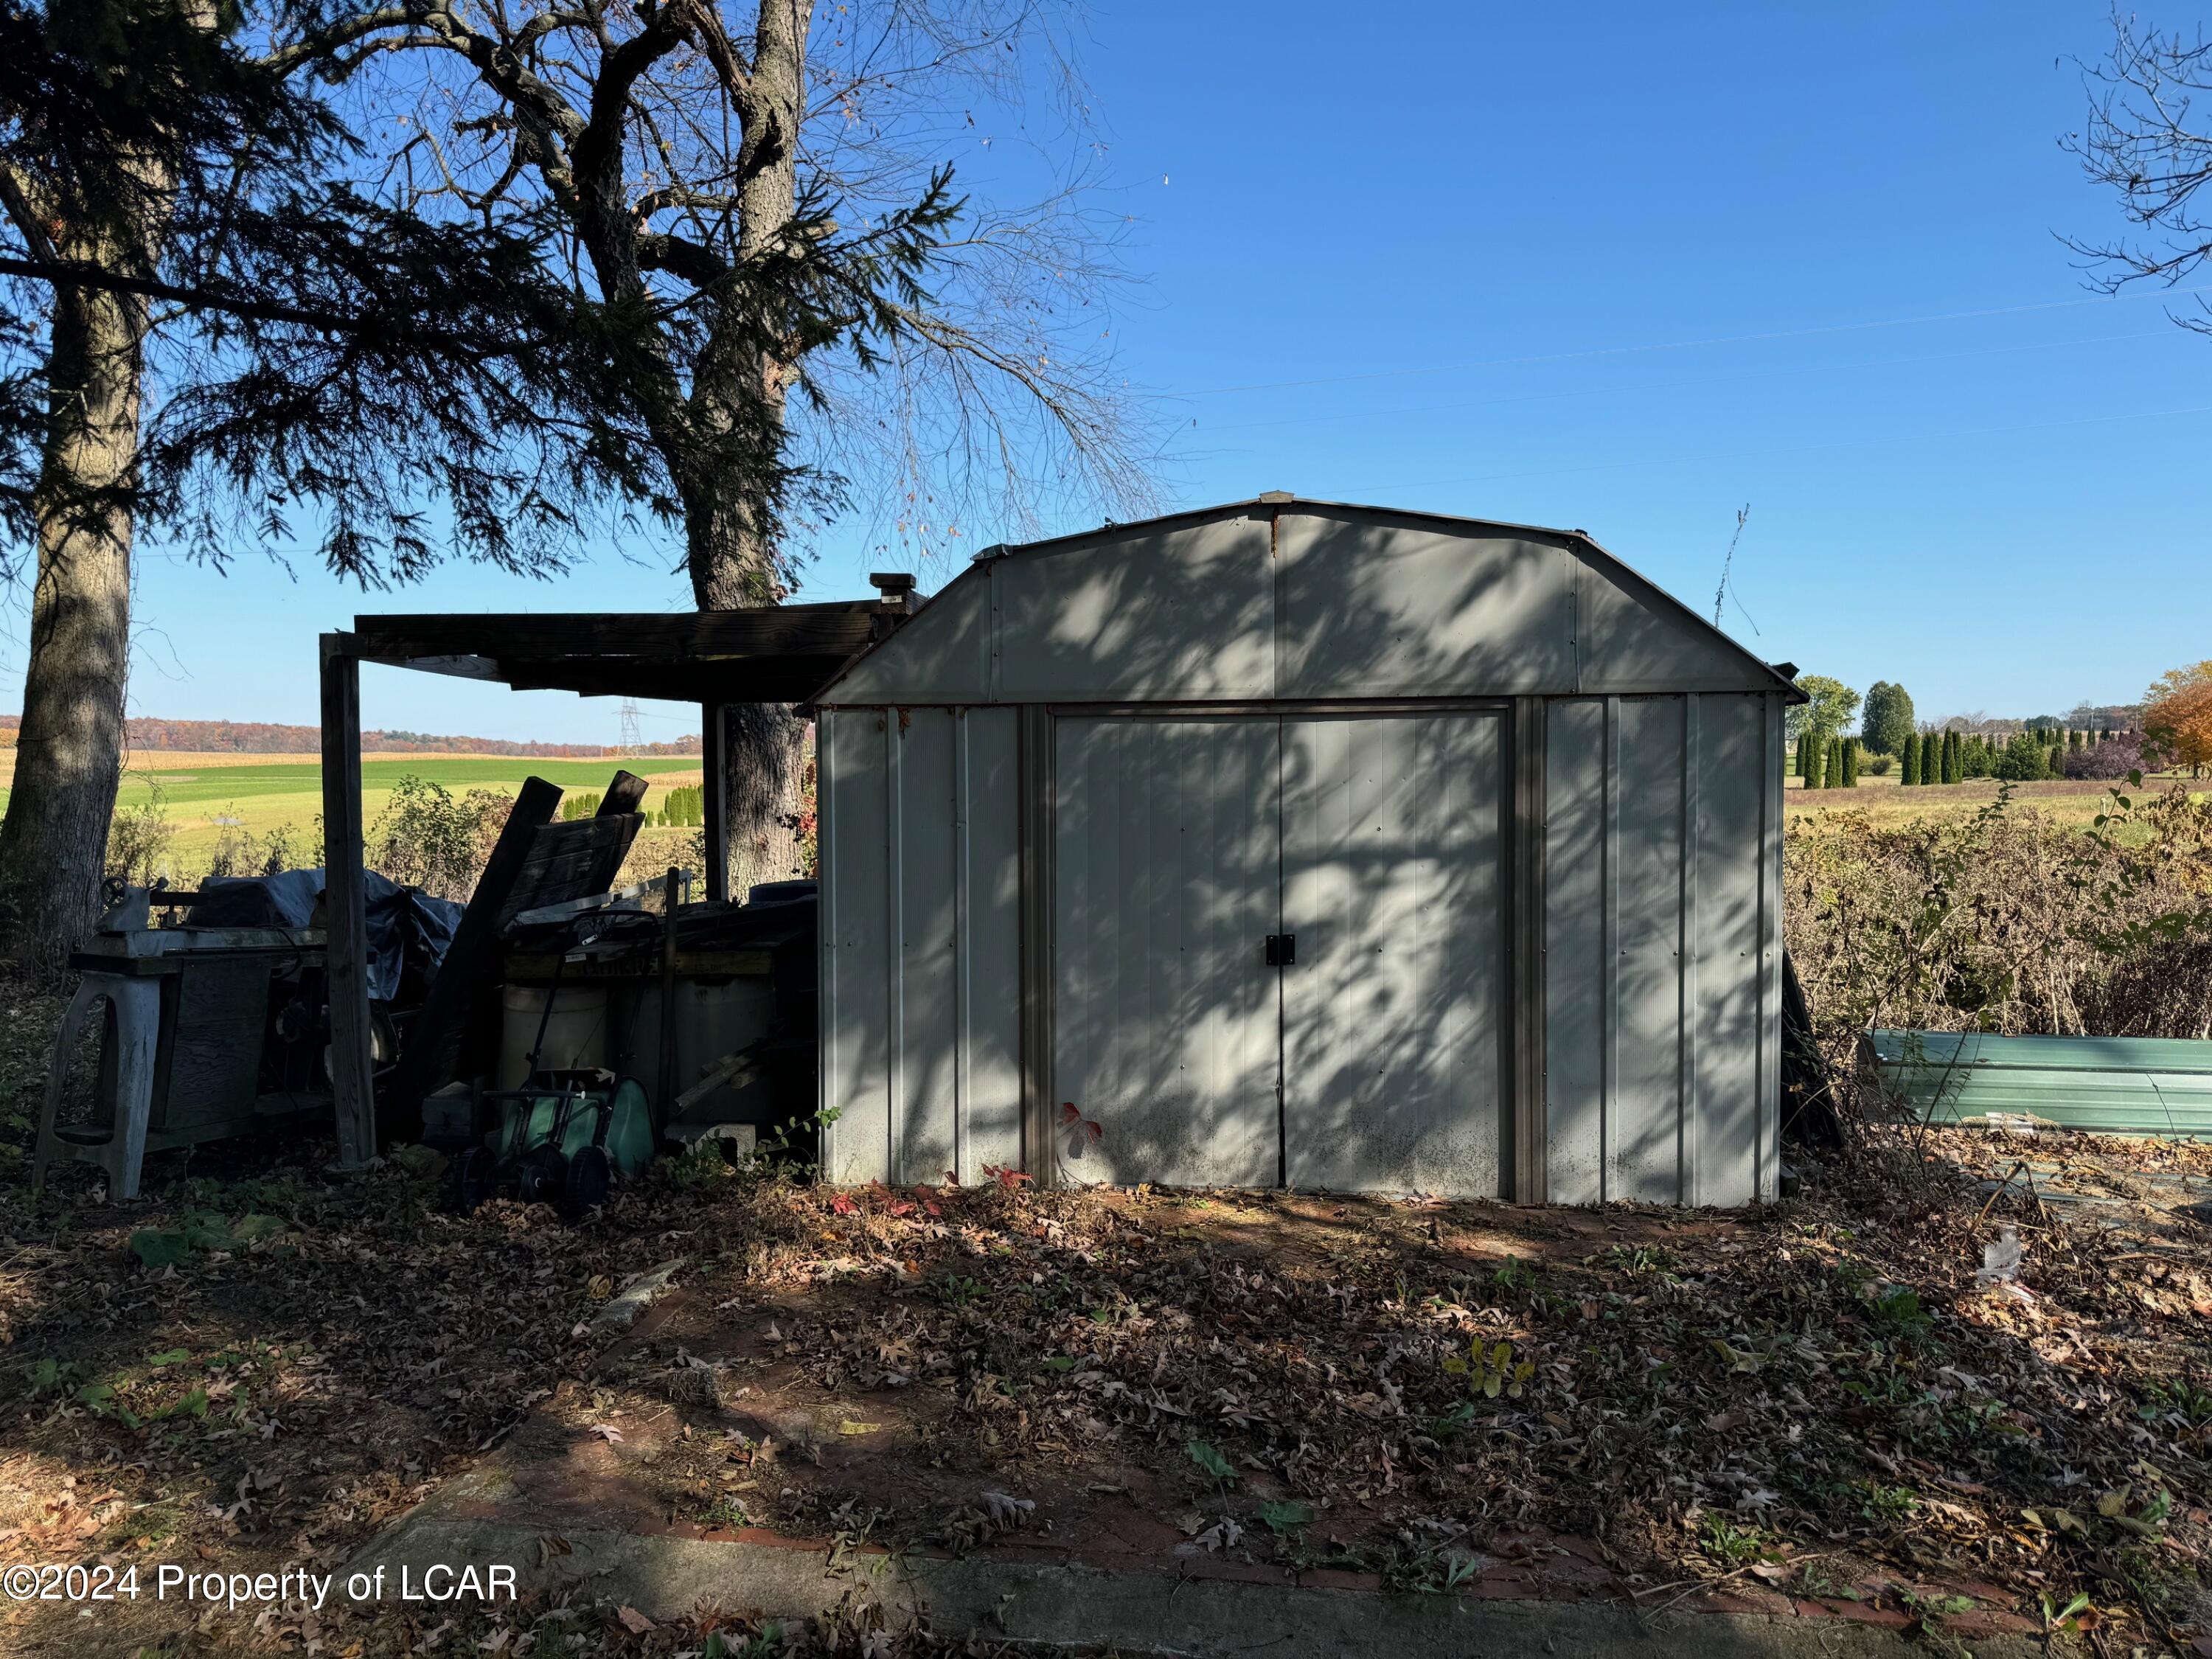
<point x="1279" y="949"/>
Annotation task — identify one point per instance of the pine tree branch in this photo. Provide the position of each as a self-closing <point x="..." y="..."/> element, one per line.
<point x="77" y="273"/>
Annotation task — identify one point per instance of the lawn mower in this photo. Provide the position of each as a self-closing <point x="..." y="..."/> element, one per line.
<point x="561" y="1138"/>
<point x="562" y="1142"/>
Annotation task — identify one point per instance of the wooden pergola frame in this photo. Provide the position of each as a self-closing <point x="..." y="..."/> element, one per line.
<point x="776" y="653"/>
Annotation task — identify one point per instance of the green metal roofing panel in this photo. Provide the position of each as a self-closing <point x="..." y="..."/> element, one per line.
<point x="2104" y="1085"/>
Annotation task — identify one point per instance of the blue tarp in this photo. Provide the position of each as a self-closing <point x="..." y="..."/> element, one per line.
<point x="405" y="924"/>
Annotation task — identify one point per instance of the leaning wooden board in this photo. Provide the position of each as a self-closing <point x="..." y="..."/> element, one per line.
<point x="536" y="862"/>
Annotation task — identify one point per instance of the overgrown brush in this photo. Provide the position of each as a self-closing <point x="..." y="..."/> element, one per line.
<point x="2005" y="922"/>
<point x="425" y="838"/>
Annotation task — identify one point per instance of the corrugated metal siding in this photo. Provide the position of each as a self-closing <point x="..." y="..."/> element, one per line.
<point x="921" y="975"/>
<point x="1151" y="1004"/>
<point x="1166" y="860"/>
<point x="1318" y="603"/>
<point x="1371" y="609"/>
<point x="1393" y="1014"/>
<point x="1661" y="948"/>
<point x="1579" y="989"/>
<point x="2106" y="1086"/>
<point x="1171" y="613"/>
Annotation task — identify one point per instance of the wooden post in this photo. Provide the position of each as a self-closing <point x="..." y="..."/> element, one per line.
<point x="345" y="954"/>
<point x="669" y="1087"/>
<point x="713" y="770"/>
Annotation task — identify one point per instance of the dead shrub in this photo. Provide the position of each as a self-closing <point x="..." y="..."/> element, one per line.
<point x="2005" y="922"/>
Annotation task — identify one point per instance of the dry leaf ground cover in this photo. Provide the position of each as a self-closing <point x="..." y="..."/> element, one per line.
<point x="1815" y="1402"/>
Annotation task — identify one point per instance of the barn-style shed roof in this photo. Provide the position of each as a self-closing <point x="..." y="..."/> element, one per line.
<point x="1282" y="598"/>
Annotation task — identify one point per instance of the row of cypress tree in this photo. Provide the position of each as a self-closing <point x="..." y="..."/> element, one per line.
<point x="1828" y="760"/>
<point x="1934" y="758"/>
<point x="1831" y="761"/>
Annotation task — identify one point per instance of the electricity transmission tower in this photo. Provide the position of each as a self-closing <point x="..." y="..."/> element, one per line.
<point x="632" y="741"/>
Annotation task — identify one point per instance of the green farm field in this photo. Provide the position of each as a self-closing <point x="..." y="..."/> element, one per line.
<point x="262" y="792"/>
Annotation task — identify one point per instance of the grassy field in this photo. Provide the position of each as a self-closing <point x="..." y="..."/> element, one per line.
<point x="205" y="794"/>
<point x="2070" y="801"/>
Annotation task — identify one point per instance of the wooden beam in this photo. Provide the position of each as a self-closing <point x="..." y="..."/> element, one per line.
<point x="783" y="678"/>
<point x="346" y="951"/>
<point x="433" y="1042"/>
<point x="831" y="629"/>
<point x="669" y="1104"/>
<point x="625" y="795"/>
<point x="714" y="787"/>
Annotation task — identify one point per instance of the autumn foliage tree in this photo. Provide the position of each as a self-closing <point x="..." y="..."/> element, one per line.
<point x="2178" y="715"/>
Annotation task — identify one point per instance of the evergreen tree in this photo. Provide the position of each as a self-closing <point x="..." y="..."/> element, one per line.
<point x="1954" y="757"/>
<point x="1833" y="778"/>
<point x="1888" y="718"/>
<point x="1812" y="744"/>
<point x="205" y="327"/>
<point x="1910" y="772"/>
<point x="2023" y="760"/>
<point x="1850" y="763"/>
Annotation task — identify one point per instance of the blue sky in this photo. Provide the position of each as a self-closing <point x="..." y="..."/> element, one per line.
<point x="1623" y="268"/>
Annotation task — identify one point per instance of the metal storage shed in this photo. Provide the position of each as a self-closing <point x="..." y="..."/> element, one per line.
<point x="1307" y="844"/>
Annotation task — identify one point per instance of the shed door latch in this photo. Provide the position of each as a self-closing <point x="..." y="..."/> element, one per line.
<point x="1282" y="949"/>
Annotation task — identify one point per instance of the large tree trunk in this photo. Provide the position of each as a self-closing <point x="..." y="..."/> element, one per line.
<point x="69" y="752"/>
<point x="732" y="527"/>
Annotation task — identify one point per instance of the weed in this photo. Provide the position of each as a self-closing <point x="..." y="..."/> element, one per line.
<point x="1652" y="1262"/>
<point x="1726" y="1543"/>
<point x="1887" y="1507"/>
<point x="727" y="1511"/>
<point x="1513" y="1276"/>
<point x="956" y="1291"/>
<point x="1899" y="1309"/>
<point x="2177" y="1399"/>
<point x="2058" y="1618"/>
<point x="1491" y="1371"/>
<point x="51" y="1375"/>
<point x="1209" y="1458"/>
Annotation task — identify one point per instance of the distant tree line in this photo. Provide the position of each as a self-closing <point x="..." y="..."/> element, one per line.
<point x="261" y="738"/>
<point x="2172" y="726"/>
